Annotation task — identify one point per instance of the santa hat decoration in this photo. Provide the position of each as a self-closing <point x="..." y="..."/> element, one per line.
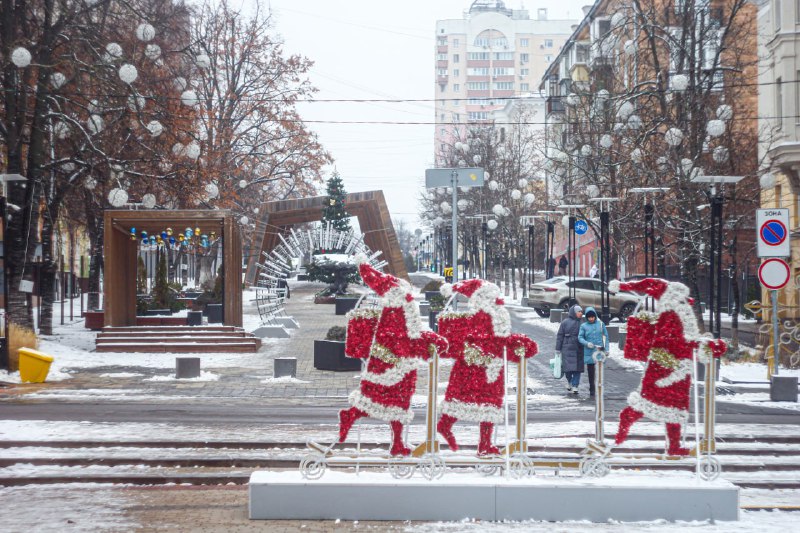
<point x="467" y="288"/>
<point x="377" y="281"/>
<point x="654" y="287"/>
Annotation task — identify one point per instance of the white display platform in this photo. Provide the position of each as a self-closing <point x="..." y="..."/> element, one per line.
<point x="271" y="332"/>
<point x="378" y="496"/>
<point x="287" y="322"/>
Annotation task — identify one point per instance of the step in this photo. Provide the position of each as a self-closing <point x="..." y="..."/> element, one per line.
<point x="139" y="329"/>
<point x="183" y="333"/>
<point x="144" y="339"/>
<point x="251" y="345"/>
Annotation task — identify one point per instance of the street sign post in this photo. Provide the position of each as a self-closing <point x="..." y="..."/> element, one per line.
<point x="455" y="178"/>
<point x="772" y="233"/>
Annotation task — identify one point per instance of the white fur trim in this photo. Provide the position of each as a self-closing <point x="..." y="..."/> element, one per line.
<point x="472" y="412"/>
<point x="393" y="375"/>
<point x="613" y="285"/>
<point x="493" y="370"/>
<point x="657" y="412"/>
<point x="685" y="368"/>
<point x="360" y="259"/>
<point x="381" y="412"/>
<point x="485" y="299"/>
<point x="446" y="290"/>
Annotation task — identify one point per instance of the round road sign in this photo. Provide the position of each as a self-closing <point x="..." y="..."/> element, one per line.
<point x="774" y="273"/>
<point x="581" y="227"/>
<point x="773" y="232"/>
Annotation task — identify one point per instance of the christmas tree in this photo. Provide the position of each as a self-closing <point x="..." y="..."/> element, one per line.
<point x="334" y="210"/>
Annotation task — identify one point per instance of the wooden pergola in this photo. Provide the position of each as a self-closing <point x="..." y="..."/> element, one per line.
<point x="120" y="253"/>
<point x="369" y="207"/>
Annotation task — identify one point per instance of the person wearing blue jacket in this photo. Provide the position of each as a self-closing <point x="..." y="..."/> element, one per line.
<point x="593" y="335"/>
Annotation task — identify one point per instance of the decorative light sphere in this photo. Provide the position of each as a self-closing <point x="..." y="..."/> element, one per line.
<point x="530" y="198"/>
<point x="602" y="95"/>
<point x="634" y="122"/>
<point x="202" y="61"/>
<point x="152" y="51"/>
<point x="438" y="221"/>
<point x="606" y="141"/>
<point x="522" y="182"/>
<point x="114" y="50"/>
<point x="155" y="128"/>
<point x="486" y="175"/>
<point x="493" y="185"/>
<point x="189" y="98"/>
<point x="463" y="204"/>
<point x="462" y="163"/>
<point x="178" y="149"/>
<point x="625" y="110"/>
<point x="128" y="73"/>
<point x="662" y="162"/>
<point x="95" y="124"/>
<point x="516" y="194"/>
<point x="492" y="224"/>
<point x="464" y="147"/>
<point x="725" y="112"/>
<point x="117" y="197"/>
<point x="457" y="146"/>
<point x="767" y="181"/>
<point x="145" y="32"/>
<point x="61" y="130"/>
<point x="242" y="184"/>
<point x="593" y="191"/>
<point x="21" y="57"/>
<point x="673" y="136"/>
<point x="68" y="166"/>
<point x="720" y="154"/>
<point x="57" y="80"/>
<point x="680" y="82"/>
<point x="192" y="150"/>
<point x="244" y="221"/>
<point x="476" y="159"/>
<point x="697" y="172"/>
<point x="445" y="207"/>
<point x="586" y="150"/>
<point x="499" y="210"/>
<point x="90" y="183"/>
<point x="212" y="191"/>
<point x="573" y="99"/>
<point x="180" y="83"/>
<point x="636" y="155"/>
<point x="149" y="201"/>
<point x="715" y="128"/>
<point x="617" y="20"/>
<point x="565" y="221"/>
<point x="630" y="47"/>
<point x="686" y="165"/>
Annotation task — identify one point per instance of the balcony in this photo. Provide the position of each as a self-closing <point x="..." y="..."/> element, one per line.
<point x="555" y="105"/>
<point x="442" y="80"/>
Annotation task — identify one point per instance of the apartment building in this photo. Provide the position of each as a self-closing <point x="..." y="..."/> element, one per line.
<point x="490" y="55"/>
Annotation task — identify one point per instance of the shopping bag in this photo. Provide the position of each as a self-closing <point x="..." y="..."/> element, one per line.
<point x="555" y="366"/>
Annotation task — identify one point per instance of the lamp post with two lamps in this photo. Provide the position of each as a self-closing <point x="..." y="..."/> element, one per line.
<point x="6" y="178"/>
<point x="571" y="247"/>
<point x="530" y="222"/>
<point x="549" y="241"/>
<point x="605" y="255"/>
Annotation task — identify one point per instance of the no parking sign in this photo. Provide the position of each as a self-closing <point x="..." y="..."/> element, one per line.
<point x="772" y="232"/>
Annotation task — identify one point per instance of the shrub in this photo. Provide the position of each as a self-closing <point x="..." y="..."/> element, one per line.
<point x="433" y="285"/>
<point x="19" y="337"/>
<point x="336" y="333"/>
<point x="436" y="302"/>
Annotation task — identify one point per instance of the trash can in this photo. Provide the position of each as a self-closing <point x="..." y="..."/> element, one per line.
<point x="33" y="365"/>
<point x="194" y="318"/>
<point x="214" y="313"/>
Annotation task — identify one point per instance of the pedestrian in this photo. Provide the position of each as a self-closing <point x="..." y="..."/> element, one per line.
<point x="283" y="283"/>
<point x="593" y="274"/>
<point x="551" y="268"/>
<point x="562" y="265"/>
<point x="594" y="337"/>
<point x="570" y="349"/>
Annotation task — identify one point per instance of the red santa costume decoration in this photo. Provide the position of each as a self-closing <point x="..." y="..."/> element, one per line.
<point x="476" y="340"/>
<point x="666" y="341"/>
<point x="390" y="378"/>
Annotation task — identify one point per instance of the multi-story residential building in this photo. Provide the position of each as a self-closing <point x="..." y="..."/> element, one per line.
<point x="779" y="113"/>
<point x="492" y="54"/>
<point x="658" y="97"/>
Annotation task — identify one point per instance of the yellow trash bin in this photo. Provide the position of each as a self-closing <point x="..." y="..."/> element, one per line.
<point x="33" y="365"/>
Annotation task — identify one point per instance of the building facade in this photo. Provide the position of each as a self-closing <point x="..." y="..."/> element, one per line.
<point x="490" y="55"/>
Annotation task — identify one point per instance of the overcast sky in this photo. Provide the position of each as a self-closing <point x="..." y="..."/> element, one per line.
<point x="377" y="49"/>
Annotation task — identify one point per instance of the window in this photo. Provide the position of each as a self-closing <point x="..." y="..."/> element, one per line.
<point x="504" y="85"/>
<point x="548" y="43"/>
<point x="675" y="49"/>
<point x="525" y="72"/>
<point x="524" y="57"/>
<point x="456" y="58"/>
<point x="442" y="41"/>
<point x="457" y="117"/>
<point x="481" y="41"/>
<point x="603" y="27"/>
<point x="441" y="57"/>
<point x="503" y="71"/>
<point x="456" y="72"/>
<point x="581" y="53"/>
<point x="524" y="87"/>
<point x="478" y="71"/>
<point x="499" y="43"/>
<point x="456" y="87"/>
<point x="478" y="85"/>
<point x="777" y="14"/>
<point x="441" y="72"/>
<point x="442" y="115"/>
<point x="478" y="115"/>
<point x="478" y="56"/>
<point x="524" y="42"/>
<point x="679" y="7"/>
<point x="779" y="101"/>
<point x="778" y="196"/>
<point x="548" y="58"/>
<point x="456" y="102"/>
<point x="456" y="42"/>
<point x="503" y="56"/>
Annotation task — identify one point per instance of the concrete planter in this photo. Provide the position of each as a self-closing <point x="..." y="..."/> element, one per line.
<point x="94" y="319"/>
<point x="214" y="313"/>
<point x="329" y="355"/>
<point x="343" y="305"/>
<point x="431" y="294"/>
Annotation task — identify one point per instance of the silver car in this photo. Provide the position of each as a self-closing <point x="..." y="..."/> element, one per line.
<point x="554" y="294"/>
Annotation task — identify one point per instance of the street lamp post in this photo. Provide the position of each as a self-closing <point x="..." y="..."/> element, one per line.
<point x="649" y="233"/>
<point x="605" y="256"/>
<point x="5" y="178"/>
<point x="529" y="221"/>
<point x="550" y="237"/>
<point x="715" y="243"/>
<point x="571" y="249"/>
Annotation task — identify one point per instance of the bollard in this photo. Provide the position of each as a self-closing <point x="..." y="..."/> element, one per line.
<point x="285" y="366"/>
<point x="187" y="367"/>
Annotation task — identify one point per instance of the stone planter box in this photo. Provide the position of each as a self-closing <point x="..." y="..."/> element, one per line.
<point x="343" y="305"/>
<point x="157" y="312"/>
<point x="329" y="355"/>
<point x="324" y="299"/>
<point x="214" y="313"/>
<point x="94" y="319"/>
<point x="160" y="320"/>
<point x="430" y="294"/>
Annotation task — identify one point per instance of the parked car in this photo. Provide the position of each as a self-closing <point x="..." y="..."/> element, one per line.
<point x="554" y="294"/>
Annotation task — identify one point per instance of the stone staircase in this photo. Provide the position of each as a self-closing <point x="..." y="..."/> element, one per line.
<point x="176" y="339"/>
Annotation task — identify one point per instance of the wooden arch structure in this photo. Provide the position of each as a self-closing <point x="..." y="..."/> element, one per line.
<point x="120" y="253"/>
<point x="369" y="207"/>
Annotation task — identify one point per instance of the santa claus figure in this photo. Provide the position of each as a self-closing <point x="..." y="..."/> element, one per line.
<point x="398" y="344"/>
<point x="477" y="340"/>
<point x="665" y="340"/>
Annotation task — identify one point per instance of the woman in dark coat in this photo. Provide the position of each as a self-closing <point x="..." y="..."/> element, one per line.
<point x="571" y="350"/>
